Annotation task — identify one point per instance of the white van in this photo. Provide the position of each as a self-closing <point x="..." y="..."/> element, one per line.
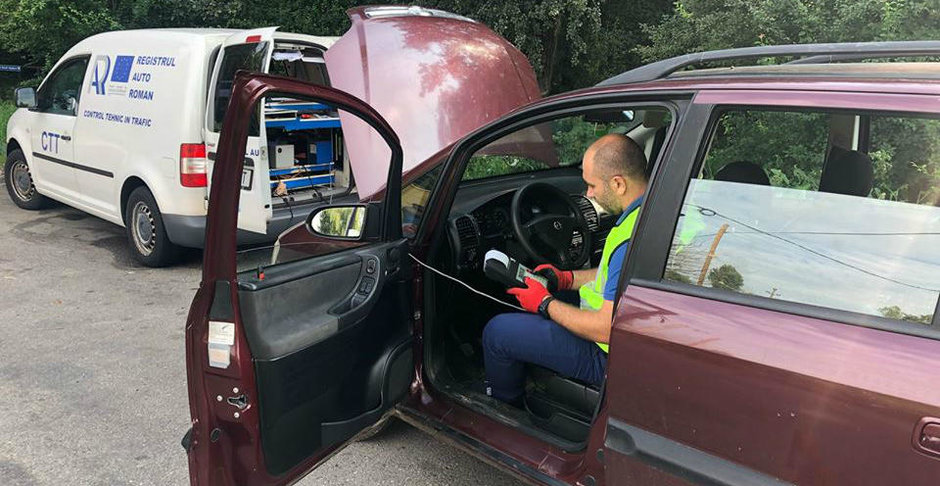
<point x="126" y="124"/>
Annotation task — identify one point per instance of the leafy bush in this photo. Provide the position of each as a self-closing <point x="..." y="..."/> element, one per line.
<point x="6" y="109"/>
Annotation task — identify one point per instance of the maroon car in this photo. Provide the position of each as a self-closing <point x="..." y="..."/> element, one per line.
<point x="777" y="317"/>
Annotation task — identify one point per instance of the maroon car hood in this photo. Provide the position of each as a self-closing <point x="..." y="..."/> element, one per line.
<point x="434" y="77"/>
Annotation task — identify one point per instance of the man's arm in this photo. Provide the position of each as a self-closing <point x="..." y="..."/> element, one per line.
<point x="593" y="325"/>
<point x="581" y="277"/>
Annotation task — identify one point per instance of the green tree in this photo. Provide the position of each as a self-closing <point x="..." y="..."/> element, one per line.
<point x="726" y="277"/>
<point x="42" y="30"/>
<point x="700" y="25"/>
<point x="895" y="312"/>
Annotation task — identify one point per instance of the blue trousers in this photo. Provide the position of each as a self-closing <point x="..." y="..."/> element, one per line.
<point x="511" y="340"/>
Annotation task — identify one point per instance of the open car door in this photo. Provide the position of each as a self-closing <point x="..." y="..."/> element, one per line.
<point x="248" y="50"/>
<point x="286" y="365"/>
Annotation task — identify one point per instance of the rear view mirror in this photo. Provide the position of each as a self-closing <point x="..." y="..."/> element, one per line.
<point x="340" y="222"/>
<point x="25" y="98"/>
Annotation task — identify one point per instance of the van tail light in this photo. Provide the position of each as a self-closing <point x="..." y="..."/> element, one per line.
<point x="193" y="165"/>
<point x="253" y="39"/>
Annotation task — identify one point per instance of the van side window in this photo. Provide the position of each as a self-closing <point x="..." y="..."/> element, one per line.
<point x="837" y="210"/>
<point x="249" y="57"/>
<point x="61" y="92"/>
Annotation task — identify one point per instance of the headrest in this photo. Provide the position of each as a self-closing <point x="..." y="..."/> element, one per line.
<point x="743" y="171"/>
<point x="847" y="172"/>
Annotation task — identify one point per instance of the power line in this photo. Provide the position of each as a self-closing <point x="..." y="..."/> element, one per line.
<point x="705" y="212"/>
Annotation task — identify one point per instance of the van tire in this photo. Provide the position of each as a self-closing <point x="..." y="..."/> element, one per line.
<point x="146" y="233"/>
<point x="19" y="182"/>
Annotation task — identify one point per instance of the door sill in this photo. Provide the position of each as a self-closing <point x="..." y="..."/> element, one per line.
<point x="474" y="447"/>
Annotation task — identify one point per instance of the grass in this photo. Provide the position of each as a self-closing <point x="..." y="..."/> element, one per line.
<point x="6" y="109"/>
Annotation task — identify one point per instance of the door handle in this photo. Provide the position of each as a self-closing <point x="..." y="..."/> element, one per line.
<point x="65" y="137"/>
<point x="926" y="438"/>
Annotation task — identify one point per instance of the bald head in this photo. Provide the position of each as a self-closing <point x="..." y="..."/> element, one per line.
<point x="615" y="154"/>
<point x="614" y="169"/>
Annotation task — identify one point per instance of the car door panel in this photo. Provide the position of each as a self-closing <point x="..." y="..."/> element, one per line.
<point x="329" y="355"/>
<point x="779" y="395"/>
<point x="284" y="368"/>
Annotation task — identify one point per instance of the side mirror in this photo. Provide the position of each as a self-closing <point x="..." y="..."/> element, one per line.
<point x="25" y="98"/>
<point x="338" y="222"/>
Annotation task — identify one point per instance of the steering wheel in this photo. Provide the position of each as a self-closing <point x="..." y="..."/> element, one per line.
<point x="546" y="223"/>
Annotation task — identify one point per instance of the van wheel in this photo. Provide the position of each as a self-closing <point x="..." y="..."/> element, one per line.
<point x="145" y="231"/>
<point x="19" y="182"/>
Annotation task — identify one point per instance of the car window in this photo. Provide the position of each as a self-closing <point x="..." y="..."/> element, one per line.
<point x="557" y="143"/>
<point x="834" y="210"/>
<point x="234" y="58"/>
<point x="61" y="92"/>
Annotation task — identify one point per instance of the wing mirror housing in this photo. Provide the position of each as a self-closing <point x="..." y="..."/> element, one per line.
<point x="348" y="222"/>
<point x="25" y="98"/>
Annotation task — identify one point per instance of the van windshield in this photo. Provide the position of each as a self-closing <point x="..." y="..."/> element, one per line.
<point x="243" y="56"/>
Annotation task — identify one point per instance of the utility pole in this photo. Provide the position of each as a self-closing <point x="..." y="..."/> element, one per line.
<point x="711" y="253"/>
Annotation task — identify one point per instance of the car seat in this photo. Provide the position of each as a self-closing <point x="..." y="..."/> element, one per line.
<point x="743" y="171"/>
<point x="848" y="172"/>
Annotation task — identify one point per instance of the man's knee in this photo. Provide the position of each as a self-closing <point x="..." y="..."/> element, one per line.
<point x="496" y="332"/>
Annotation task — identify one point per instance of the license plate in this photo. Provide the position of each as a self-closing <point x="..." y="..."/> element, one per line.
<point x="246" y="179"/>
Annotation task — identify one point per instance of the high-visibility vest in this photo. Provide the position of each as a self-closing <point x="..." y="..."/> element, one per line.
<point x="592" y="293"/>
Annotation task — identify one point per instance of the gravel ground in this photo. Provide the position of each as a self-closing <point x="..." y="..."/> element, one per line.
<point x="92" y="368"/>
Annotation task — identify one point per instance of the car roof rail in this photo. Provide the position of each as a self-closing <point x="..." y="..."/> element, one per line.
<point x="809" y="54"/>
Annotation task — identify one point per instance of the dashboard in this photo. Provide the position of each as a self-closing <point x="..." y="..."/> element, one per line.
<point x="488" y="225"/>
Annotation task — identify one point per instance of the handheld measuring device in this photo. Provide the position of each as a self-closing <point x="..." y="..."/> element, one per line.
<point x="507" y="271"/>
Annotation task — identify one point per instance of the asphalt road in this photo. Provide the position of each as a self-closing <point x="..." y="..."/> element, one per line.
<point x="92" y="369"/>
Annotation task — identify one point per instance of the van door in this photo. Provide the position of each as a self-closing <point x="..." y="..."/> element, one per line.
<point x="248" y="50"/>
<point x="52" y="127"/>
<point x="286" y="364"/>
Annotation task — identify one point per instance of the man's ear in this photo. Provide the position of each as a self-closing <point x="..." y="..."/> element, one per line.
<point x="618" y="184"/>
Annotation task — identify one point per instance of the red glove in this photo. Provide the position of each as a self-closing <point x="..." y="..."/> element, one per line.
<point x="531" y="296"/>
<point x="564" y="278"/>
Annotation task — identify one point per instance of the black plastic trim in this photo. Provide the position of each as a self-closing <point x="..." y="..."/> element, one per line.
<point x="649" y="248"/>
<point x="690" y="464"/>
<point x="290" y="271"/>
<point x="222" y="308"/>
<point x="74" y="165"/>
<point x="936" y="315"/>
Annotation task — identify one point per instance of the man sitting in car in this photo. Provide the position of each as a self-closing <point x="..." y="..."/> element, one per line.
<point x="571" y="339"/>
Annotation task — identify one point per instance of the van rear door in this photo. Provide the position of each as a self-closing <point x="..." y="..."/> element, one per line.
<point x="248" y="50"/>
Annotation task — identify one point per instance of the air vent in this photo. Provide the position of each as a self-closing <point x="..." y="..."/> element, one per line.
<point x="468" y="240"/>
<point x="587" y="209"/>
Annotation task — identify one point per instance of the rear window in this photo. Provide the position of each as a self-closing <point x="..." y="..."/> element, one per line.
<point x="249" y="57"/>
<point x="834" y="210"/>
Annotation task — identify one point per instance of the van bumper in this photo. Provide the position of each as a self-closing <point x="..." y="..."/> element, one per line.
<point x="190" y="231"/>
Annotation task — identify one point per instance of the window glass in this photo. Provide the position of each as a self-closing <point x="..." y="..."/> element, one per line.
<point x="414" y="198"/>
<point x="556" y="143"/>
<point x="835" y="210"/>
<point x="249" y="57"/>
<point x="60" y="94"/>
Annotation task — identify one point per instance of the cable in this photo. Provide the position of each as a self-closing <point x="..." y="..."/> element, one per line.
<point x="703" y="210"/>
<point x="484" y="294"/>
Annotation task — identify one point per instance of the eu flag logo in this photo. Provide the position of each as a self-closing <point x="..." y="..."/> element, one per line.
<point x="122" y="69"/>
